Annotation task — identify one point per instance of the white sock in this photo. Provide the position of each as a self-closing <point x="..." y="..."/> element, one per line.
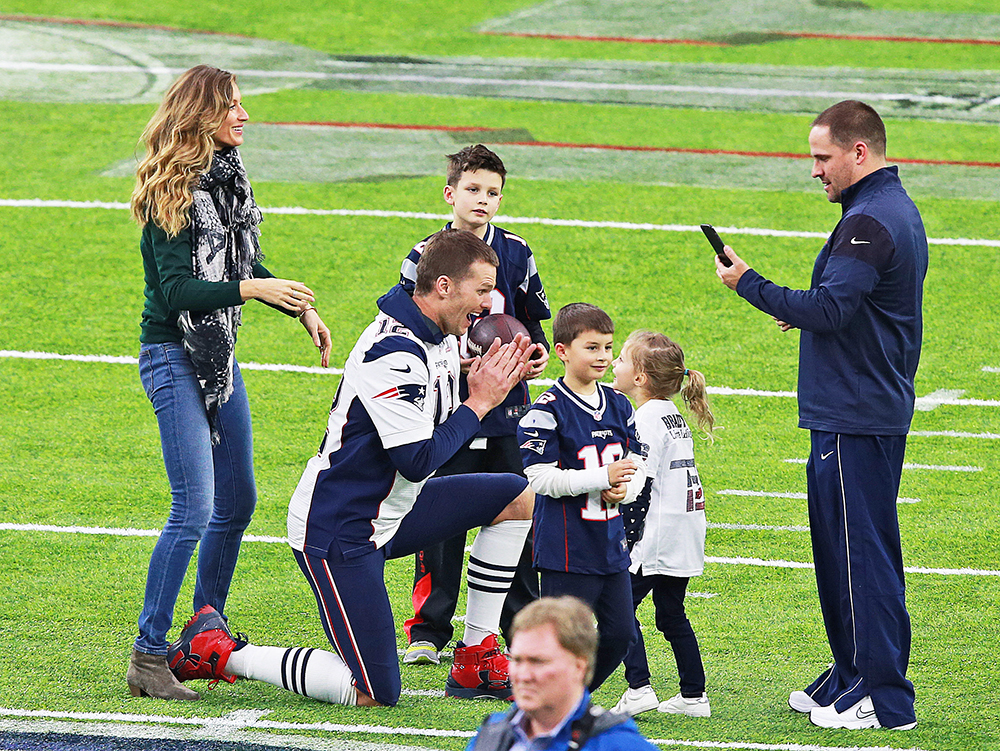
<point x="311" y="672"/>
<point x="495" y="553"/>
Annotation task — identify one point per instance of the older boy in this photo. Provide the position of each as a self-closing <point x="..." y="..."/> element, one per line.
<point x="583" y="458"/>
<point x="475" y="180"/>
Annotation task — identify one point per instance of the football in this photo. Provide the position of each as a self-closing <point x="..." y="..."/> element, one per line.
<point x="484" y="330"/>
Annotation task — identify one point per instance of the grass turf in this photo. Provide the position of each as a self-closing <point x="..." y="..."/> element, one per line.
<point x="80" y="445"/>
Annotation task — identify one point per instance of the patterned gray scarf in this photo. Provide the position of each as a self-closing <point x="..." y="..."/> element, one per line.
<point x="224" y="230"/>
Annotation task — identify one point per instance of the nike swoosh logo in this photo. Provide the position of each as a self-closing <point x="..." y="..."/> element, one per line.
<point x="531" y="433"/>
<point x="401" y="370"/>
<point x="865" y="714"/>
<point x="856" y="241"/>
<point x="824" y="456"/>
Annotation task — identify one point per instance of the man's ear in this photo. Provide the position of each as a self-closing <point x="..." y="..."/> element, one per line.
<point x="861" y="152"/>
<point x="443" y="285"/>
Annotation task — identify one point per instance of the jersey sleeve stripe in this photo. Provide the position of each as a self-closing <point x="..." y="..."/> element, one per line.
<point x="390" y="345"/>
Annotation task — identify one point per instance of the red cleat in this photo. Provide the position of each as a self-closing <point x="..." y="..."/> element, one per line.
<point x="479" y="672"/>
<point x="203" y="648"/>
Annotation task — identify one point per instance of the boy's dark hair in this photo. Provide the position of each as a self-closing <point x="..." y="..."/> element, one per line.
<point x="577" y="317"/>
<point x="451" y="253"/>
<point x="473" y="158"/>
<point x="851" y="121"/>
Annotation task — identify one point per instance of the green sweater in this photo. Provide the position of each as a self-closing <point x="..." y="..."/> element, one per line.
<point x="171" y="285"/>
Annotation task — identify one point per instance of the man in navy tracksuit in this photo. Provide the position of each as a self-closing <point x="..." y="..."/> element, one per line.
<point x="860" y="343"/>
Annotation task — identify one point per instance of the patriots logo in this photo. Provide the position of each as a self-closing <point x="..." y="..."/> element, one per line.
<point x="535" y="444"/>
<point x="410" y="392"/>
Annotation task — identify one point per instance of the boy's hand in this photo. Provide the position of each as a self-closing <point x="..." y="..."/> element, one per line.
<point x="621" y="471"/>
<point x="492" y="376"/>
<point x="615" y="494"/>
<point x="536" y="365"/>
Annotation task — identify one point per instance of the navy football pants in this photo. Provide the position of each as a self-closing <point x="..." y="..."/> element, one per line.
<point x="853" y="483"/>
<point x="353" y="601"/>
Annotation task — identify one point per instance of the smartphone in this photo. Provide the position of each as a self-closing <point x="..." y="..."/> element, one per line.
<point x="713" y="237"/>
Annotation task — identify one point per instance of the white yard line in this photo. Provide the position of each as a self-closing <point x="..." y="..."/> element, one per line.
<point x="501" y="219"/>
<point x="280" y="367"/>
<point x="793" y="496"/>
<point x="105" y="723"/>
<point x="953" y="434"/>
<point x="117" y="532"/>
<point x="932" y="467"/>
<point x="461" y="81"/>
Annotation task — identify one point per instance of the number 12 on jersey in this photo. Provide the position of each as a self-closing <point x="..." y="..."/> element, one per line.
<point x="597" y="510"/>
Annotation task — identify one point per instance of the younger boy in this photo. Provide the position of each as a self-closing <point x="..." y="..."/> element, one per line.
<point x="583" y="458"/>
<point x="475" y="180"/>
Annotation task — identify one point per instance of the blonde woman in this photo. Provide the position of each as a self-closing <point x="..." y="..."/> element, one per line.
<point x="201" y="261"/>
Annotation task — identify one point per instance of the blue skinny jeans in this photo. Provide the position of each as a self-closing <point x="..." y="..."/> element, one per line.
<point x="212" y="489"/>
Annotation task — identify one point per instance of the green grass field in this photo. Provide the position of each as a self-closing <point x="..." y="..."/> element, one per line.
<point x="78" y="441"/>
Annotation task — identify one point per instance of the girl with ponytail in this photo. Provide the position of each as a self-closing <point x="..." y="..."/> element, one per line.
<point x="665" y="526"/>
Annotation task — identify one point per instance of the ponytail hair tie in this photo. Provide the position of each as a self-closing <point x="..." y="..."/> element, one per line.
<point x="686" y="371"/>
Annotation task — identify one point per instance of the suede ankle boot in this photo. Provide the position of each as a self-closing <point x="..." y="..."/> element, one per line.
<point x="148" y="675"/>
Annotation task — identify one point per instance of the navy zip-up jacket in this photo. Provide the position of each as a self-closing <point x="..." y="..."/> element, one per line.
<point x="861" y="318"/>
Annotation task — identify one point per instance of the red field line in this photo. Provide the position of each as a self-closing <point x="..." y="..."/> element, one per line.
<point x="611" y="147"/>
<point x="860" y="38"/>
<point x="112" y="24"/>
<point x="581" y="38"/>
<point x="704" y="43"/>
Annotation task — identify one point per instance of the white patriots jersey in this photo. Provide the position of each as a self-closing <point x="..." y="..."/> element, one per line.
<point x="398" y="384"/>
<point x="673" y="538"/>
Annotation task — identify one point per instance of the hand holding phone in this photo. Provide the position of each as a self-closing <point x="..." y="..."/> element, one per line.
<point x="716" y="241"/>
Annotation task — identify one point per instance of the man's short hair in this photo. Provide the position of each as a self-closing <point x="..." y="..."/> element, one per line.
<point x="577" y="317"/>
<point x="851" y="121"/>
<point x="473" y="158"/>
<point x="451" y="253"/>
<point x="570" y="618"/>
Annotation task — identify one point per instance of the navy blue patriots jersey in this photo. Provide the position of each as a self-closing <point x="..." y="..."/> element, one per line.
<point x="518" y="293"/>
<point x="578" y="533"/>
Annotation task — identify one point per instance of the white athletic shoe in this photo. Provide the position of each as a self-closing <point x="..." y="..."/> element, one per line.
<point x="858" y="717"/>
<point x="800" y="701"/>
<point x="637" y="700"/>
<point x="692" y="707"/>
<point x="421" y="653"/>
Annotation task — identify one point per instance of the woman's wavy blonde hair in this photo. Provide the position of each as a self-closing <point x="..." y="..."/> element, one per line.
<point x="662" y="361"/>
<point x="179" y="146"/>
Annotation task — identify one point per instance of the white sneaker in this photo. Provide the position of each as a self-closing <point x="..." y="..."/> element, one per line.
<point x="692" y="707"/>
<point x="637" y="700"/>
<point x="800" y="701"/>
<point x="421" y="653"/>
